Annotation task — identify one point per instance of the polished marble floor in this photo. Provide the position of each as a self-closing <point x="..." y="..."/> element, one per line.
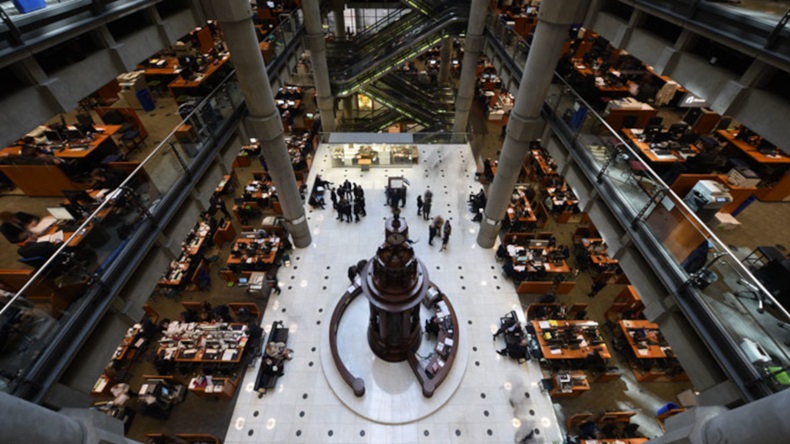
<point x="496" y="399"/>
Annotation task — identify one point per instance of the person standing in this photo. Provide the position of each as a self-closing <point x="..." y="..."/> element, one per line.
<point x="357" y="210"/>
<point x="446" y="235"/>
<point x="434" y="229"/>
<point x="333" y="196"/>
<point x="419" y="205"/>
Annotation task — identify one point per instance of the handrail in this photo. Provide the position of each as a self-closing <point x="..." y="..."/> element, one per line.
<point x="125" y="185"/>
<point x="356" y="383"/>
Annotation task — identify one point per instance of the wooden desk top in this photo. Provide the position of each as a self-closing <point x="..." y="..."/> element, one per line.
<point x="568" y="353"/>
<point x="70" y="153"/>
<point x="750" y="150"/>
<point x="259" y="257"/>
<point x="652" y="351"/>
<point x="648" y="152"/>
<point x="524" y="202"/>
<point x="170" y="68"/>
<point x="201" y="77"/>
<point x="542" y="164"/>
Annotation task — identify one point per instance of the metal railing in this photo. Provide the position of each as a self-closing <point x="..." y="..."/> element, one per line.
<point x="145" y="200"/>
<point x="724" y="291"/>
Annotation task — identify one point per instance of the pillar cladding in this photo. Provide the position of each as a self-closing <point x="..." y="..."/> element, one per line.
<point x="444" y="66"/>
<point x="338" y="9"/>
<point x="23" y="421"/>
<point x="473" y="45"/>
<point x="525" y="123"/>
<point x="264" y="122"/>
<point x="395" y="282"/>
<point x="314" y="40"/>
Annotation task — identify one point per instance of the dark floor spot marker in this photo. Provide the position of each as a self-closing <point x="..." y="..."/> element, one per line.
<point x="526" y="394"/>
<point x="290" y="287"/>
<point x="317" y="322"/>
<point x="496" y="277"/>
<point x="304" y="396"/>
<point x="361" y="433"/>
<point x="330" y="433"/>
<point x="531" y="413"/>
<point x="328" y="267"/>
<point x="426" y="433"/>
<point x="298" y="433"/>
<point x="483" y="395"/>
<point x="498" y="287"/>
<point x="492" y="267"/>
<point x="310" y="363"/>
<point x="461" y="277"/>
<point x="460" y="267"/>
<point x="469" y="322"/>
<point x="474" y="349"/>
<point x="326" y="277"/>
<point x="490" y="432"/>
<point x="537" y="431"/>
<point x="301" y="414"/>
<point x="477" y="363"/>
<point x="463" y="288"/>
<point x="250" y="432"/>
<point x="313" y="349"/>
<point x="437" y="267"/>
<point x="323" y="288"/>
<point x="283" y="310"/>
<point x="485" y="413"/>
<point x="457" y="432"/>
<point x="255" y="413"/>
<point x="320" y="310"/>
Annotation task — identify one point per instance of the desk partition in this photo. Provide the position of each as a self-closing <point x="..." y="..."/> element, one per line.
<point x="710" y="284"/>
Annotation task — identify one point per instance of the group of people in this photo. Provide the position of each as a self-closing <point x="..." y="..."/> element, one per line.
<point x="439" y="227"/>
<point x="349" y="201"/>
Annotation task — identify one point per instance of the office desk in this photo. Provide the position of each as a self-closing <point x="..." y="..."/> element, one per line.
<point x="127" y="343"/>
<point x="172" y="347"/>
<point x="543" y="167"/>
<point x="170" y="68"/>
<point x="752" y="151"/>
<point x="226" y="183"/>
<point x="575" y="388"/>
<point x="568" y="353"/>
<point x="101" y="140"/>
<point x="259" y="258"/>
<point x="653" y="351"/>
<point x="526" y="216"/>
<point x="202" y="83"/>
<point x="195" y="242"/>
<point x="648" y="152"/>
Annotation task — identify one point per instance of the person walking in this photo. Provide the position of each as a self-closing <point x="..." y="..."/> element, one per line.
<point x="434" y="229"/>
<point x="427" y="200"/>
<point x="596" y="287"/>
<point x="446" y="235"/>
<point x="419" y="205"/>
<point x="333" y="196"/>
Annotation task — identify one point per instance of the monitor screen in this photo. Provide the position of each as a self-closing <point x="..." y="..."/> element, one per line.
<point x="60" y="213"/>
<point x="52" y="136"/>
<point x="270" y="4"/>
<point x="74" y="134"/>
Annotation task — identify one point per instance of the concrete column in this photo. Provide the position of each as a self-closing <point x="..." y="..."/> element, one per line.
<point x="473" y="45"/>
<point x="23" y="421"/>
<point x="348" y="107"/>
<point x="264" y="122"/>
<point x="446" y="62"/>
<point x="759" y="422"/>
<point x="314" y="40"/>
<point x="338" y="6"/>
<point x="525" y="122"/>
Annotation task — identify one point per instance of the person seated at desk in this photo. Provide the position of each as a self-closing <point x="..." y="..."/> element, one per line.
<point x="432" y="326"/>
<point x="106" y="178"/>
<point x="18" y="227"/>
<point x="516" y="350"/>
<point x="510" y="326"/>
<point x="562" y="252"/>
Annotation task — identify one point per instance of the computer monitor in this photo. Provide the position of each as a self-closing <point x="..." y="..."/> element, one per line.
<point x="676" y="130"/>
<point x="60" y="213"/>
<point x="270" y="4"/>
<point x="74" y="134"/>
<point x="688" y="138"/>
<point x="661" y="137"/>
<point x="650" y="131"/>
<point x="165" y="391"/>
<point x="52" y="136"/>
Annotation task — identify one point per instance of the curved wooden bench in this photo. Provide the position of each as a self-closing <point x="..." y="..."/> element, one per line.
<point x="357" y="384"/>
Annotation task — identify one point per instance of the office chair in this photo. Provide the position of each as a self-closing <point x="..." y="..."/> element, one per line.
<point x="35" y="261"/>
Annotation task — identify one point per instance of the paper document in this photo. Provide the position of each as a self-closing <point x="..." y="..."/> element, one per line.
<point x="54" y="237"/>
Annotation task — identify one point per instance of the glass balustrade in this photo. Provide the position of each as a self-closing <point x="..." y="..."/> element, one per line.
<point x="98" y="244"/>
<point x="742" y="308"/>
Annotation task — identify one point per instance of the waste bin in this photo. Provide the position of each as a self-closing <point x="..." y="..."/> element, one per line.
<point x="25" y="6"/>
<point x="666" y="407"/>
<point x="145" y="99"/>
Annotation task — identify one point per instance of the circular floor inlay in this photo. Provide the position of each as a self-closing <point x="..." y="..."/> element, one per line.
<point x="457" y="432"/>
<point x="250" y="432"/>
<point x="301" y="414"/>
<point x="485" y="413"/>
<point x="426" y="433"/>
<point x="330" y="433"/>
<point x="255" y="413"/>
<point x="304" y="396"/>
<point x="490" y="432"/>
<point x="298" y="433"/>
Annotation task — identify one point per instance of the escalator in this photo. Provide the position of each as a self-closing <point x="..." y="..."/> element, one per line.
<point x="412" y="101"/>
<point x="360" y="62"/>
<point x="372" y="122"/>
